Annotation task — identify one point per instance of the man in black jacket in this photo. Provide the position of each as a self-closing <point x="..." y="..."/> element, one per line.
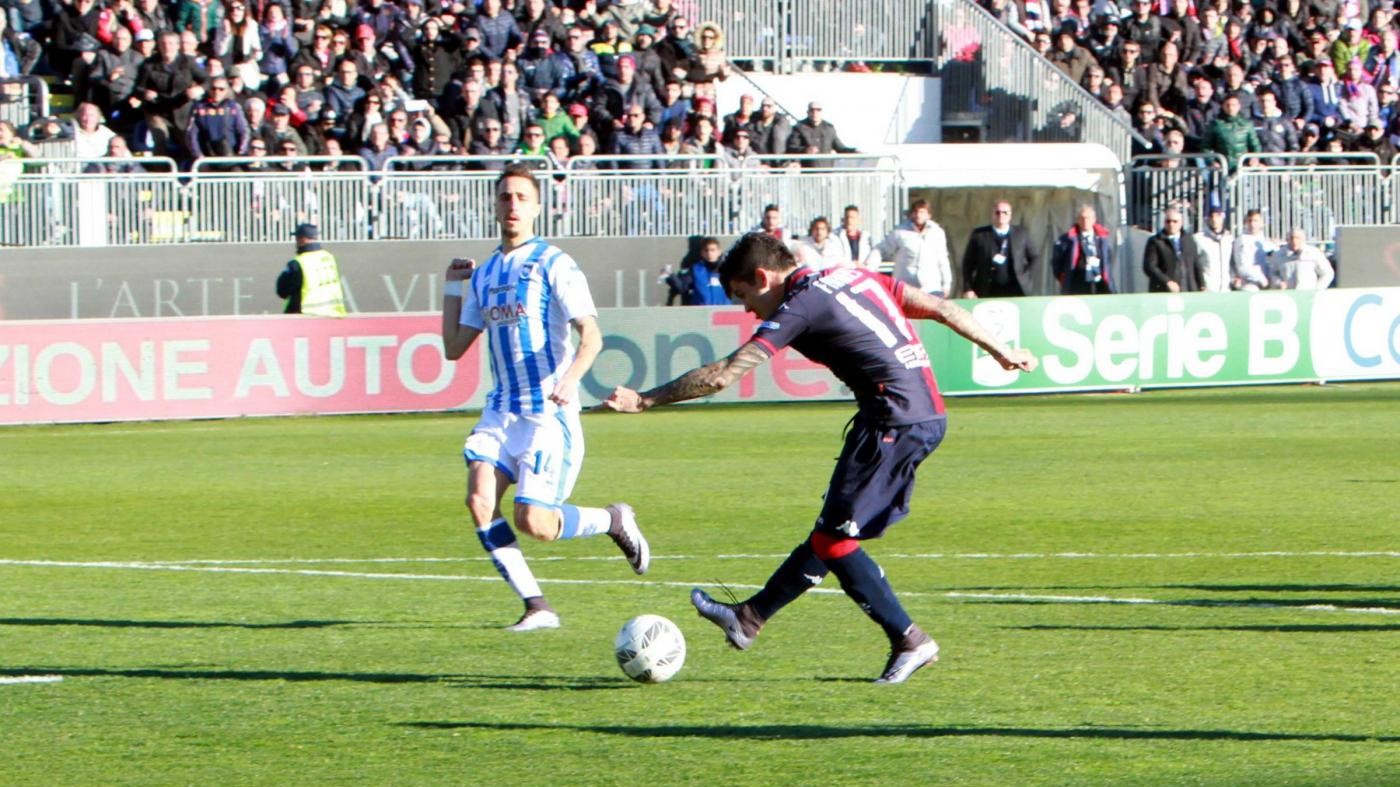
<point x="1000" y="259"/>
<point x="1171" y="262"/>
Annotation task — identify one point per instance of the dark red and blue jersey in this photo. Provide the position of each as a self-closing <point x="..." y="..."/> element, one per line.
<point x="850" y="321"/>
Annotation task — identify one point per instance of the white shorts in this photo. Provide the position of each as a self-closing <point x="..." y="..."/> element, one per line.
<point x="540" y="454"/>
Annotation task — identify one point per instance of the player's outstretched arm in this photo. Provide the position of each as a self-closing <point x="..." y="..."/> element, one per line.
<point x="456" y="338"/>
<point x="703" y="381"/>
<point x="920" y="305"/>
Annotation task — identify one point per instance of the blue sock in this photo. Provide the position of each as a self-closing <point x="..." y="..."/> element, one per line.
<point x="499" y="542"/>
<point x="799" y="573"/>
<point x="864" y="581"/>
<point x="584" y="522"/>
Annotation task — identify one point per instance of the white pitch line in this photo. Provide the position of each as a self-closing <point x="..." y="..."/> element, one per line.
<point x="653" y="583"/>
<point x="14" y="680"/>
<point x="1170" y="602"/>
<point x="774" y="556"/>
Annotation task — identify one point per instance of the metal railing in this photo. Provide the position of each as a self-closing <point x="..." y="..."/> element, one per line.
<point x="992" y="78"/>
<point x="55" y="202"/>
<point x="22" y="99"/>
<point x="1191" y="183"/>
<point x="1317" y="192"/>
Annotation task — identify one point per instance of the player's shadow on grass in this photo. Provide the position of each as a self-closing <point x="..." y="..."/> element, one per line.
<point x="454" y="680"/>
<point x="177" y="624"/>
<point x="1305" y="628"/>
<point x="820" y="731"/>
<point x="1213" y="603"/>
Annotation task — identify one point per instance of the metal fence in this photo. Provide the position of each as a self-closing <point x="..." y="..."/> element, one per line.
<point x="1193" y="184"/>
<point x="992" y="79"/>
<point x="1314" y="191"/>
<point x="22" y="99"/>
<point x="52" y="202"/>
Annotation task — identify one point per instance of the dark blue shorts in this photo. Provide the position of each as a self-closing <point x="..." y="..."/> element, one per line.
<point x="874" y="477"/>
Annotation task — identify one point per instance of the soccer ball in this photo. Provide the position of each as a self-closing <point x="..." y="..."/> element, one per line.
<point x="650" y="649"/>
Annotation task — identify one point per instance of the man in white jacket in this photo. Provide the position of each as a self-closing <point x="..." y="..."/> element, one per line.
<point x="919" y="248"/>
<point x="860" y="248"/>
<point x="1298" y="266"/>
<point x="1216" y="245"/>
<point x="820" y="249"/>
<point x="1252" y="250"/>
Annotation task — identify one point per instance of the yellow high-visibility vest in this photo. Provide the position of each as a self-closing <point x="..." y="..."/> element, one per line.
<point x="321" y="294"/>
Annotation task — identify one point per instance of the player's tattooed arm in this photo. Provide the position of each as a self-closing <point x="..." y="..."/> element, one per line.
<point x="920" y="305"/>
<point x="703" y="381"/>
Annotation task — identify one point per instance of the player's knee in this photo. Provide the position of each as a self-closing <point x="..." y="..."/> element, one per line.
<point x="831" y="547"/>
<point x="537" y="521"/>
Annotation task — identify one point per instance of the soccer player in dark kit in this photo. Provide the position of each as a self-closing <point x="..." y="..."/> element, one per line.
<point x="856" y="323"/>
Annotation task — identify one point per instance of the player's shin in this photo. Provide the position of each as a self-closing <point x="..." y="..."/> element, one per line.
<point x="499" y="541"/>
<point x="583" y="522"/>
<point x="863" y="580"/>
<point x="800" y="572"/>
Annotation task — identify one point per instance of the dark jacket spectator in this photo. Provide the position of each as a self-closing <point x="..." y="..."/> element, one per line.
<point x="1172" y="259"/>
<point x="436" y="57"/>
<point x="1082" y="261"/>
<point x="217" y="125"/>
<point x="770" y="130"/>
<point x="499" y="31"/>
<point x="634" y="139"/>
<point x="814" y="135"/>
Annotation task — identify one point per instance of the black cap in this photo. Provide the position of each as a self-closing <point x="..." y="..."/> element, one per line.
<point x="307" y="231"/>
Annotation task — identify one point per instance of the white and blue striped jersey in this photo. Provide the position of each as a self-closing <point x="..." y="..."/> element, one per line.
<point x="524" y="301"/>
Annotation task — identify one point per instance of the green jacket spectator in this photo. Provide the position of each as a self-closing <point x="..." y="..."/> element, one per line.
<point x="1231" y="134"/>
<point x="203" y="19"/>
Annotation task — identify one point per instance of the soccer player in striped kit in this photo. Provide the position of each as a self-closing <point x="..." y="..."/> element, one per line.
<point x="527" y="297"/>
<point x="855" y="323"/>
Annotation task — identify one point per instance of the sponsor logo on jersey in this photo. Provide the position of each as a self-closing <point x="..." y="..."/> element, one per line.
<point x="769" y="324"/>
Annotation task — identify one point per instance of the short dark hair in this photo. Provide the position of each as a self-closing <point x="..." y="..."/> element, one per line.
<point x="708" y="240"/>
<point x="771" y="206"/>
<point x="818" y="220"/>
<point x="918" y="203"/>
<point x="753" y="251"/>
<point x="517" y="170"/>
<point x="850" y="208"/>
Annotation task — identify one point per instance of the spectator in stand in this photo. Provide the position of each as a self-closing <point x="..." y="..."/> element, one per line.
<point x="1180" y="26"/>
<point x="217" y="127"/>
<point x="579" y="72"/>
<point x="344" y="95"/>
<point x="1000" y="261"/>
<point x="119" y="159"/>
<point x="489" y="142"/>
<point x="537" y="16"/>
<point x="511" y="102"/>
<point x="650" y="70"/>
<point x="1276" y="132"/>
<point x="1359" y="104"/>
<point x="278" y="130"/>
<point x="1150" y="129"/>
<point x="1294" y="97"/>
<point x="1252" y="250"/>
<point x="608" y="44"/>
<point x="919" y="248"/>
<point x="1231" y="135"/>
<point x="698" y="284"/>
<point x="1166" y="86"/>
<point x="320" y="57"/>
<point x="1214" y="45"/>
<point x="435" y="59"/>
<point x="1373" y="140"/>
<point x="635" y="138"/>
<point x="1350" y="45"/>
<point x="703" y="142"/>
<point x="709" y="63"/>
<point x="1238" y="86"/>
<point x="1129" y="72"/>
<point x="771" y="224"/>
<point x="370" y="59"/>
<point x="740" y="155"/>
<point x="72" y="26"/>
<point x="532" y="144"/>
<point x="1201" y="110"/>
<point x="499" y="30"/>
<point x="578" y="115"/>
<point x="1171" y="261"/>
<point x="1327" y="97"/>
<point x="1298" y="266"/>
<point x="279" y="42"/>
<point x="166" y="87"/>
<point x="238" y="43"/>
<point x="1093" y="82"/>
<point x="1113" y="100"/>
<point x="815" y="135"/>
<point x="1069" y="56"/>
<point x="310" y="96"/>
<point x="1082" y="261"/>
<point x="201" y="17"/>
<point x="152" y="15"/>
<point x="469" y="110"/>
<point x="320" y="135"/>
<point x="554" y="121"/>
<point x="1383" y="64"/>
<point x="91" y="138"/>
<point x="19" y="53"/>
<point x="675" y="108"/>
<point x="740" y="118"/>
<point x="379" y="150"/>
<point x="113" y="77"/>
<point x="1144" y="28"/>
<point x="1216" y="245"/>
<point x="677" y="51"/>
<point x="623" y="92"/>
<point x="540" y="71"/>
<point x="861" y="253"/>
<point x="820" y="249"/>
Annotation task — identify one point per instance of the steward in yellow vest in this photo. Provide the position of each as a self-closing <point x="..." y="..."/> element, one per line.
<point x="311" y="281"/>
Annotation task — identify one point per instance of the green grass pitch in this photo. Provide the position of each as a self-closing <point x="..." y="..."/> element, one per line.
<point x="1192" y="587"/>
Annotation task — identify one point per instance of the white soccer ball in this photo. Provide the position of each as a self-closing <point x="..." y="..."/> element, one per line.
<point x="650" y="649"/>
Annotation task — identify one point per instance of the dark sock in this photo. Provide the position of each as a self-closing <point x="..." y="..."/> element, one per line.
<point x="792" y="579"/>
<point x="865" y="583"/>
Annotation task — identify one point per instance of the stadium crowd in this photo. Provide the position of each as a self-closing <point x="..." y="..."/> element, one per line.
<point x="191" y="79"/>
<point x="1230" y="77"/>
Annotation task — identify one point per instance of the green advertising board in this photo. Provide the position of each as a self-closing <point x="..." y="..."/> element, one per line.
<point x="1119" y="342"/>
